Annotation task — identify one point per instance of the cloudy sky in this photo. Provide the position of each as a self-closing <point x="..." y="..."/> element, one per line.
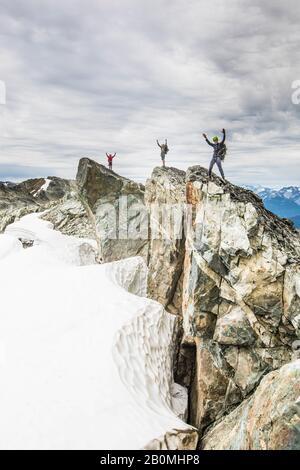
<point x="84" y="77"/>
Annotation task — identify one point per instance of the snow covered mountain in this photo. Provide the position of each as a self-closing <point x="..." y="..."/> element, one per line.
<point x="284" y="202"/>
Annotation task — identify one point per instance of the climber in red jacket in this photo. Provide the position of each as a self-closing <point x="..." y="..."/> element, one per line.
<point x="110" y="159"/>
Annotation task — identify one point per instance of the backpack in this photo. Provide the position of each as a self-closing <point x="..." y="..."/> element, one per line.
<point x="222" y="152"/>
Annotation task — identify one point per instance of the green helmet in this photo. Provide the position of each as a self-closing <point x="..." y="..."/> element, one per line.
<point x="215" y="139"/>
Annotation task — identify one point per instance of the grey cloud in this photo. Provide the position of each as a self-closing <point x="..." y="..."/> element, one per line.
<point x="85" y="77"/>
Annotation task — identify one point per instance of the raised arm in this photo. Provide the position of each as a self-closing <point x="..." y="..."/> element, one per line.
<point x="224" y="136"/>
<point x="107" y="154"/>
<point x="158" y="144"/>
<point x="205" y="137"/>
<point x="114" y="154"/>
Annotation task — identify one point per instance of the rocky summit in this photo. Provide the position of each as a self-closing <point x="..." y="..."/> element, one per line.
<point x="223" y="264"/>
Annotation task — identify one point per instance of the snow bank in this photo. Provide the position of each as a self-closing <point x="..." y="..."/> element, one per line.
<point x="85" y="358"/>
<point x="9" y="245"/>
<point x="50" y="246"/>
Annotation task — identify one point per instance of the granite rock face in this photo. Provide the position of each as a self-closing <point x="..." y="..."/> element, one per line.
<point x="13" y="205"/>
<point x="233" y="278"/>
<point x="176" y="440"/>
<point x="34" y="195"/>
<point x="165" y="200"/>
<point x="240" y="294"/>
<point x="69" y="216"/>
<point x="116" y="211"/>
<point x="269" y="420"/>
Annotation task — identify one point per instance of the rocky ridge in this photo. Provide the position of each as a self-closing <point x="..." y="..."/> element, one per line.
<point x="225" y="266"/>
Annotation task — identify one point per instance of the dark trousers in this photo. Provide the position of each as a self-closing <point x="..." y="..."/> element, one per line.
<point x="110" y="165"/>
<point x="218" y="161"/>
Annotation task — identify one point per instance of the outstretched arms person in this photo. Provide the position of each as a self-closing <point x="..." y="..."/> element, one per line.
<point x="205" y="137"/>
<point x="224" y="136"/>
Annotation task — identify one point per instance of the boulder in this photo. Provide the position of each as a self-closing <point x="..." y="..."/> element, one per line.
<point x="269" y="420"/>
<point x="175" y="440"/>
<point x="69" y="215"/>
<point x="116" y="211"/>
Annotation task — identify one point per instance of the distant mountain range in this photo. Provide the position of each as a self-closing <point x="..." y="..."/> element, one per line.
<point x="284" y="202"/>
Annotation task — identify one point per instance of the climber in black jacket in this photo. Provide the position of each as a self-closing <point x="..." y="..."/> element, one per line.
<point x="218" y="147"/>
